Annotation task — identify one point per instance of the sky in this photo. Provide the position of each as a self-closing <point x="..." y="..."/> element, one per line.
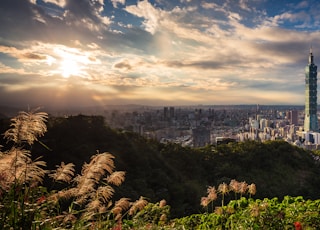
<point x="65" y="53"/>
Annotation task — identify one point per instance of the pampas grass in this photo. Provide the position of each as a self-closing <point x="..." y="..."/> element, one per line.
<point x="27" y="127"/>
<point x="104" y="193"/>
<point x="116" y="178"/>
<point x="243" y="187"/>
<point x="20" y="174"/>
<point x="86" y="199"/>
<point x="223" y="189"/>
<point x="211" y="196"/>
<point x="138" y="205"/>
<point x="212" y="193"/>
<point x="91" y="192"/>
<point x="252" y="189"/>
<point x="17" y="167"/>
<point x="123" y="204"/>
<point x="63" y="173"/>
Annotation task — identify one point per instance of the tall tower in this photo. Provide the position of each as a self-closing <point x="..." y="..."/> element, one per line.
<point x="311" y="119"/>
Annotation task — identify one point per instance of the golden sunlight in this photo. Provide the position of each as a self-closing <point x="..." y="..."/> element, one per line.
<point x="69" y="67"/>
<point x="71" y="61"/>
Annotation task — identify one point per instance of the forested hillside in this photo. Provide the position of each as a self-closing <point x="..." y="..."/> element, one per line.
<point x="180" y="175"/>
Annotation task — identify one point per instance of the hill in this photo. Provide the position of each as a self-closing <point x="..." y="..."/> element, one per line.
<point x="177" y="174"/>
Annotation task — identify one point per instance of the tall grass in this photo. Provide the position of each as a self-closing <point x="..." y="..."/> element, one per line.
<point x="84" y="202"/>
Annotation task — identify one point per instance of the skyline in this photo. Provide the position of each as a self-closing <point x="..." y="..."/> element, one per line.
<point x="60" y="53"/>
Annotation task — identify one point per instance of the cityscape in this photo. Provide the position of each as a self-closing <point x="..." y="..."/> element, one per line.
<point x="201" y="125"/>
<point x="188" y="72"/>
<point x="204" y="125"/>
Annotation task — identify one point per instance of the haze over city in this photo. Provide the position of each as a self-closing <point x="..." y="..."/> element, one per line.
<point x="94" y="52"/>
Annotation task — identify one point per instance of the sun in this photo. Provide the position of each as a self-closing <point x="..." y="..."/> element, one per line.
<point x="69" y="67"/>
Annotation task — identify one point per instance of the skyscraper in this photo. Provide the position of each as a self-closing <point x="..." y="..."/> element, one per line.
<point x="294" y="117"/>
<point x="311" y="119"/>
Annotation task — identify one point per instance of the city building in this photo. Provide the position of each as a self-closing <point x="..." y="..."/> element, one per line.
<point x="201" y="136"/>
<point x="165" y="113"/>
<point x="293" y="117"/>
<point x="171" y="112"/>
<point x="168" y="113"/>
<point x="311" y="119"/>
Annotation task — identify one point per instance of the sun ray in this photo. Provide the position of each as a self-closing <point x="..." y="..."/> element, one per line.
<point x="69" y="67"/>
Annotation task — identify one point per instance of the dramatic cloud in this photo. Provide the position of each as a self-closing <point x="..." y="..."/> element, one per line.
<point x="95" y="52"/>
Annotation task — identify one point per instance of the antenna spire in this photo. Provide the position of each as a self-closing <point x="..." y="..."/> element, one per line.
<point x="311" y="56"/>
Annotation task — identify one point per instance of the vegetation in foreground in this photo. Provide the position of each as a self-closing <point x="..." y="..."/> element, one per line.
<point x="86" y="201"/>
<point x="174" y="173"/>
<point x="83" y="201"/>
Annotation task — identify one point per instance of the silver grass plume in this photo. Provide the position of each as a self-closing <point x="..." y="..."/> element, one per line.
<point x="121" y="205"/>
<point x="64" y="172"/>
<point x="116" y="178"/>
<point x="18" y="167"/>
<point x="104" y="193"/>
<point x="252" y="189"/>
<point x="27" y="127"/>
<point x="93" y="172"/>
<point x="138" y="205"/>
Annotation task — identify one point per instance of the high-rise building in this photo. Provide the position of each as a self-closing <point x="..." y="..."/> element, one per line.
<point x="311" y="119"/>
<point x="201" y="137"/>
<point x="171" y="112"/>
<point x="294" y="119"/>
<point x="165" y="113"/>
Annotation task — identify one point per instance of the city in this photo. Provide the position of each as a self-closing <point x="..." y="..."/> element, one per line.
<point x="201" y="125"/>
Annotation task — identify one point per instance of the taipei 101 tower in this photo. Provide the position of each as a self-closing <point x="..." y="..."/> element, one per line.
<point x="311" y="118"/>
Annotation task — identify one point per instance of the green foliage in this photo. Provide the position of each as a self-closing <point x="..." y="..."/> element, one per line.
<point x="257" y="214"/>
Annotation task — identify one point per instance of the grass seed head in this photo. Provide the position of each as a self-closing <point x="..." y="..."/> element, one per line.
<point x="234" y="186"/>
<point x="252" y="189"/>
<point x="162" y="203"/>
<point x="212" y="193"/>
<point x="223" y="188"/>
<point x="204" y="201"/>
<point x="116" y="178"/>
<point x="243" y="186"/>
<point x="64" y="172"/>
<point x="138" y="205"/>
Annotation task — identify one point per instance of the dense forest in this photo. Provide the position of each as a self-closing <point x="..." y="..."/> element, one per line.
<point x="174" y="173"/>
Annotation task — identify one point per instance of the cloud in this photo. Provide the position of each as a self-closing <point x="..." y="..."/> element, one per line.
<point x="181" y="51"/>
<point x="34" y="56"/>
<point x="86" y="13"/>
<point x="244" y="5"/>
<point x="208" y="5"/>
<point x="145" y="10"/>
<point x="302" y="5"/>
<point x="204" y="64"/>
<point x="116" y="2"/>
<point x="124" y="64"/>
<point x="292" y="17"/>
<point x="60" y="3"/>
